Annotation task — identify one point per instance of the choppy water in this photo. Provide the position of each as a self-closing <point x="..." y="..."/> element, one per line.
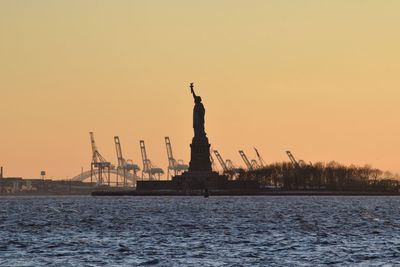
<point x="194" y="231"/>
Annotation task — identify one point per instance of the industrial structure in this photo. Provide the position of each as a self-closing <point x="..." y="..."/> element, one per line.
<point x="251" y="165"/>
<point x="175" y="166"/>
<point x="100" y="167"/>
<point x="85" y="176"/>
<point x="295" y="162"/>
<point x="199" y="177"/>
<point x="228" y="167"/>
<point x="221" y="161"/>
<point x="126" y="171"/>
<point x="213" y="165"/>
<point x="260" y="159"/>
<point x="297" y="175"/>
<point x="153" y="172"/>
<point x="124" y="167"/>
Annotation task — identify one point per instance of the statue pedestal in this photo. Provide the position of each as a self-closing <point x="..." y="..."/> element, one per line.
<point x="200" y="175"/>
<point x="200" y="181"/>
<point x="200" y="155"/>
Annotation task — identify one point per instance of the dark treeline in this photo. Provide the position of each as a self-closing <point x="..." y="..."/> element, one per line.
<point x="320" y="176"/>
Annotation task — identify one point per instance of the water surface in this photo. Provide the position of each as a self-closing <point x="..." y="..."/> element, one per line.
<point x="194" y="231"/>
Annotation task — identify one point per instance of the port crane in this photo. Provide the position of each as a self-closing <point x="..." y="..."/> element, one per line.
<point x="296" y="163"/>
<point x="152" y="171"/>
<point x="125" y="167"/>
<point x="221" y="161"/>
<point x="100" y="167"/>
<point x="292" y="159"/>
<point x="176" y="166"/>
<point x="260" y="159"/>
<point x="227" y="166"/>
<point x="251" y="165"/>
<point x="299" y="167"/>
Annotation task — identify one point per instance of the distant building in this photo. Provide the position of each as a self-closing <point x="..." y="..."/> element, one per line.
<point x="17" y="185"/>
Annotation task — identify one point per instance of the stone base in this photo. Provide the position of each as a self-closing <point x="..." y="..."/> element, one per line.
<point x="196" y="185"/>
<point x="200" y="155"/>
<point x="200" y="181"/>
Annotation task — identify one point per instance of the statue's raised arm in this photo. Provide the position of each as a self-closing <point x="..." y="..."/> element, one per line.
<point x="198" y="114"/>
<point x="192" y="90"/>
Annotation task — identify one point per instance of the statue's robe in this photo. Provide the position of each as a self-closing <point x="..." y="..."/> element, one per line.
<point x="198" y="120"/>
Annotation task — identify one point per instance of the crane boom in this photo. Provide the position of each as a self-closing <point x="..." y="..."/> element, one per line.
<point x="171" y="160"/>
<point x="94" y="148"/>
<point x="96" y="156"/>
<point x="212" y="162"/>
<point x="221" y="161"/>
<point x="121" y="160"/>
<point x="146" y="166"/>
<point x="177" y="166"/>
<point x="99" y="163"/>
<point x="260" y="159"/>
<point x="246" y="160"/>
<point x="292" y="159"/>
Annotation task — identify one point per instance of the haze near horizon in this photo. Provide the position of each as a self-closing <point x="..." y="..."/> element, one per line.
<point x="319" y="78"/>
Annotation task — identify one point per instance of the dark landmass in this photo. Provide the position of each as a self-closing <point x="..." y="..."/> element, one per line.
<point x="320" y="176"/>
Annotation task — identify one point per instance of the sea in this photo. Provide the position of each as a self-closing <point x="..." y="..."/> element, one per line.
<point x="198" y="231"/>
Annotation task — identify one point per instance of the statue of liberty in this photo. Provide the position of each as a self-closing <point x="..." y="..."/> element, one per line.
<point x="198" y="115"/>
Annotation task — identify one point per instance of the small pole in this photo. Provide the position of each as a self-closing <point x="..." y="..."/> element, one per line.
<point x="1" y="179"/>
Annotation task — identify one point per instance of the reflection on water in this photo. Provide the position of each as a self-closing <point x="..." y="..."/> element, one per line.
<point x="194" y="231"/>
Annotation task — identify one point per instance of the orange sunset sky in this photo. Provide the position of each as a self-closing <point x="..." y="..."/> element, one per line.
<point x="321" y="78"/>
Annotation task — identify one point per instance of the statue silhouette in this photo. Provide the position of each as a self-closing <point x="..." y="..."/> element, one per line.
<point x="198" y="115"/>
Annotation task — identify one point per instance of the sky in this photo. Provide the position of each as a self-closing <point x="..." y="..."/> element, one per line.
<point x="319" y="78"/>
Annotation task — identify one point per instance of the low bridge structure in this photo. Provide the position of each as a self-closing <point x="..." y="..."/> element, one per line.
<point x="85" y="176"/>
